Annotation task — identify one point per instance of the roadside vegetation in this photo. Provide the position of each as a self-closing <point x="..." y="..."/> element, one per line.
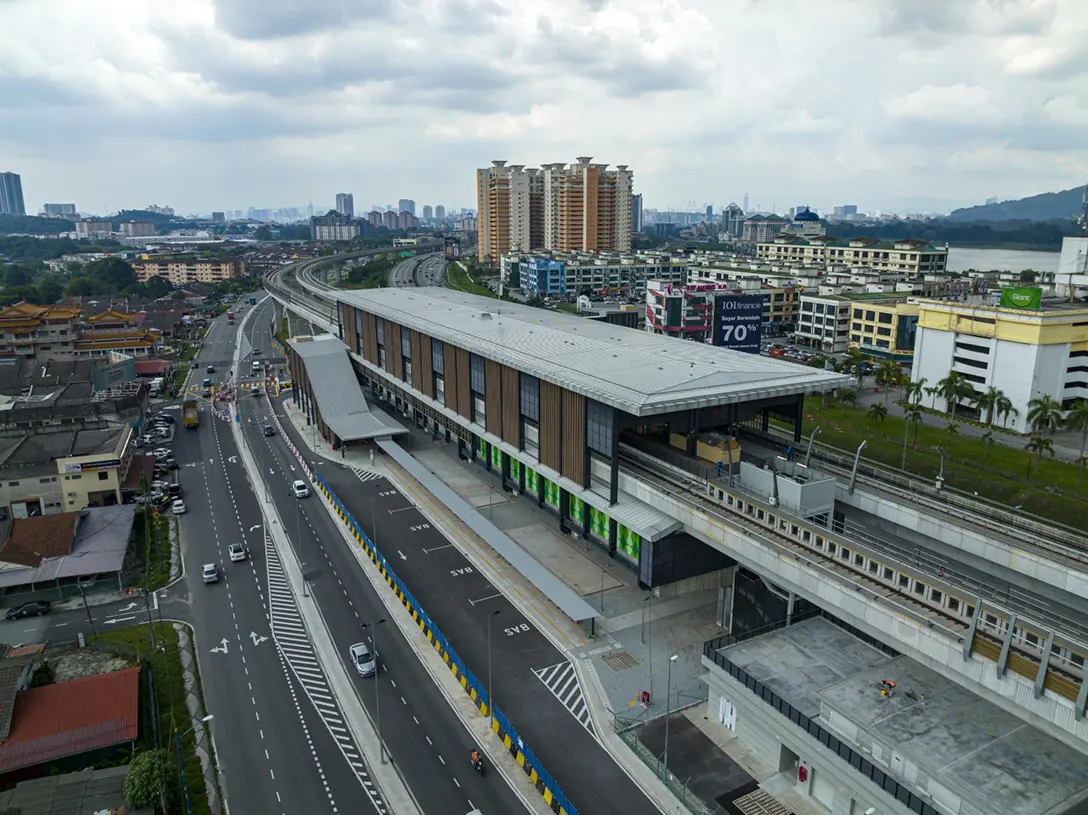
<point x="458" y="277"/>
<point x="135" y="645"/>
<point x="1027" y="478"/>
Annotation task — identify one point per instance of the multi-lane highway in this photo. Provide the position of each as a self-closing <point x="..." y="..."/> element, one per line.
<point x="276" y="746"/>
<point x="418" y="271"/>
<point x="426" y="740"/>
<point x="533" y="683"/>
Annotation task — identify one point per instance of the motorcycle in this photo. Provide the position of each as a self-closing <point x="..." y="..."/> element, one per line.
<point x="478" y="766"/>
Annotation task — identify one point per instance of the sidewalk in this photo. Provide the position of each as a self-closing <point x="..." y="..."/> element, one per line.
<point x="636" y="634"/>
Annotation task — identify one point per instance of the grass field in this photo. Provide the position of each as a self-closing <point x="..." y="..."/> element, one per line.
<point x="170" y="694"/>
<point x="460" y="279"/>
<point x="996" y="472"/>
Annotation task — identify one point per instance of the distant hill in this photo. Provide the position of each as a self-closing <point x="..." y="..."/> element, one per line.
<point x="33" y="225"/>
<point x="1047" y="206"/>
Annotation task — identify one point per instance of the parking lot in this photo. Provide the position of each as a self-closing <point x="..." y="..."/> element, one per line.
<point x="156" y="440"/>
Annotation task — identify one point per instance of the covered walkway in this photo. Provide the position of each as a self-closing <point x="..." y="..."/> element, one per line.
<point x="326" y="390"/>
<point x="569" y="601"/>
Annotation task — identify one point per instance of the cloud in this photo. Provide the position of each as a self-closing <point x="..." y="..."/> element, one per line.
<point x="890" y="104"/>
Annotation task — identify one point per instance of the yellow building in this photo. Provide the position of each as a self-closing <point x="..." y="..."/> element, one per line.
<point x="883" y="326"/>
<point x="186" y="271"/>
<point x="1023" y="352"/>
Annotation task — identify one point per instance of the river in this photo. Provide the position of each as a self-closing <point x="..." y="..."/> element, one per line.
<point x="961" y="259"/>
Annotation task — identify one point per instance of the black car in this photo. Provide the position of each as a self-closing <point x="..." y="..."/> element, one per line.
<point x="211" y="369"/>
<point x="35" y="608"/>
<point x="269" y="430"/>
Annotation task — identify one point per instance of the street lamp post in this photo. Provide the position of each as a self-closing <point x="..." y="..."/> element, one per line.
<point x="181" y="763"/>
<point x="377" y="697"/>
<point x="668" y="710"/>
<point x="490" y="696"/>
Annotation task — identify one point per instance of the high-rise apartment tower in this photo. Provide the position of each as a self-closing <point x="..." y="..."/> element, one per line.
<point x="11" y="194"/>
<point x="345" y="204"/>
<point x="584" y="207"/>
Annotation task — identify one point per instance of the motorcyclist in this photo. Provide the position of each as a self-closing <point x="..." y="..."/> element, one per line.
<point x="477" y="759"/>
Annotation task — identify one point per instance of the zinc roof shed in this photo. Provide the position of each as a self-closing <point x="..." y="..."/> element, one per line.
<point x="640" y="373"/>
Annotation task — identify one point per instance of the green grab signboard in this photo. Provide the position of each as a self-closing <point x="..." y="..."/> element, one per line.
<point x="483" y="449"/>
<point x="496" y="458"/>
<point x="598" y="523"/>
<point x="1025" y="297"/>
<point x="515" y="470"/>
<point x="551" y="493"/>
<point x="628" y="542"/>
<point x="532" y="481"/>
<point x="578" y="511"/>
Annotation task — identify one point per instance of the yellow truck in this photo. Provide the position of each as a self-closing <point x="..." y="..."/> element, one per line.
<point x="189" y="413"/>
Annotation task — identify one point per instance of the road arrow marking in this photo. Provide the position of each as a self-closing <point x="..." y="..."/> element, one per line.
<point x="254" y="527"/>
<point x="257" y="640"/>
<point x="271" y="471"/>
<point x="402" y="555"/>
<point x="211" y="461"/>
<point x="221" y="648"/>
<point x="129" y="607"/>
<point x="120" y="619"/>
<point x="232" y="460"/>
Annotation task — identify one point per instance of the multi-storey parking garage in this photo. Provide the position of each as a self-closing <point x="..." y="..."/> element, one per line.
<point x="621" y="441"/>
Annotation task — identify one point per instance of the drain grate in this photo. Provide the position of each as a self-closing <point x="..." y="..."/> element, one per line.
<point x="760" y="803"/>
<point x="620" y="660"/>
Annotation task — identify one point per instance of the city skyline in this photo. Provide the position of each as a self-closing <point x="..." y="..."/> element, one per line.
<point x="977" y="100"/>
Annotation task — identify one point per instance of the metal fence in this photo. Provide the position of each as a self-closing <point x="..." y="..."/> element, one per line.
<point x="513" y="743"/>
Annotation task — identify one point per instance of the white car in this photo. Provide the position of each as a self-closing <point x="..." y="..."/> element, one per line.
<point x="162" y="452"/>
<point x="301" y="490"/>
<point x="178" y="507"/>
<point x="364" y="660"/>
<point x="237" y="552"/>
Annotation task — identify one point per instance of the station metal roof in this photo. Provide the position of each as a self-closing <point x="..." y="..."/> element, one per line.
<point x="641" y="373"/>
<point x="339" y="397"/>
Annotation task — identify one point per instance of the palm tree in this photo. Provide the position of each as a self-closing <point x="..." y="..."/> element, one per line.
<point x="913" y="414"/>
<point x="987" y="439"/>
<point x="987" y="403"/>
<point x="888" y="374"/>
<point x="1044" y="415"/>
<point x="953" y="429"/>
<point x="1077" y="419"/>
<point x="1037" y="445"/>
<point x="1080" y="464"/>
<point x="1005" y="409"/>
<point x="931" y="392"/>
<point x="914" y="390"/>
<point x="954" y="389"/>
<point x="877" y="413"/>
<point x="848" y="396"/>
<point x="853" y="361"/>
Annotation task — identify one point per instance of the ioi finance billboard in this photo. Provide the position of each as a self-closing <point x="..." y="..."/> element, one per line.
<point x="737" y="322"/>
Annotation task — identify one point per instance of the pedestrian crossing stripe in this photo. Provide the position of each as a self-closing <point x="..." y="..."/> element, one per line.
<point x="562" y="681"/>
<point x="365" y="475"/>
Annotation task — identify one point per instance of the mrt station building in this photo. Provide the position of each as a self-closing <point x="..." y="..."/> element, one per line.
<point x="551" y="404"/>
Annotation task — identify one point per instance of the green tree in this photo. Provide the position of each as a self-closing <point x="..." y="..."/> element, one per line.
<point x="986" y="402"/>
<point x="43" y="675"/>
<point x="953" y="429"/>
<point x="157" y="287"/>
<point x="1044" y="415"/>
<point x="114" y="273"/>
<point x="263" y="233"/>
<point x="1028" y="276"/>
<point x="954" y="389"/>
<point x="50" y="290"/>
<point x="853" y="361"/>
<point x="1037" y="445"/>
<point x="846" y="396"/>
<point x="877" y="413"/>
<point x="888" y="374"/>
<point x="1077" y="419"/>
<point x="82" y="287"/>
<point x="913" y="390"/>
<point x="987" y="439"/>
<point x="149" y="775"/>
<point x="914" y="414"/>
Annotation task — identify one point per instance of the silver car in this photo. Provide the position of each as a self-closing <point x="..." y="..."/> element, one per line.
<point x="364" y="660"/>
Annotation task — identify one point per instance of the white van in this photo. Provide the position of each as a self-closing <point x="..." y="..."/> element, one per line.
<point x="256" y="366"/>
<point x="301" y="490"/>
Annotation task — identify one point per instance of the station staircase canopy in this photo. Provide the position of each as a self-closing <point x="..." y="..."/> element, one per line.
<point x="337" y="392"/>
<point x="563" y="596"/>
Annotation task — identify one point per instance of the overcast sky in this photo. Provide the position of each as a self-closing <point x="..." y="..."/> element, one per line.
<point x="223" y="104"/>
